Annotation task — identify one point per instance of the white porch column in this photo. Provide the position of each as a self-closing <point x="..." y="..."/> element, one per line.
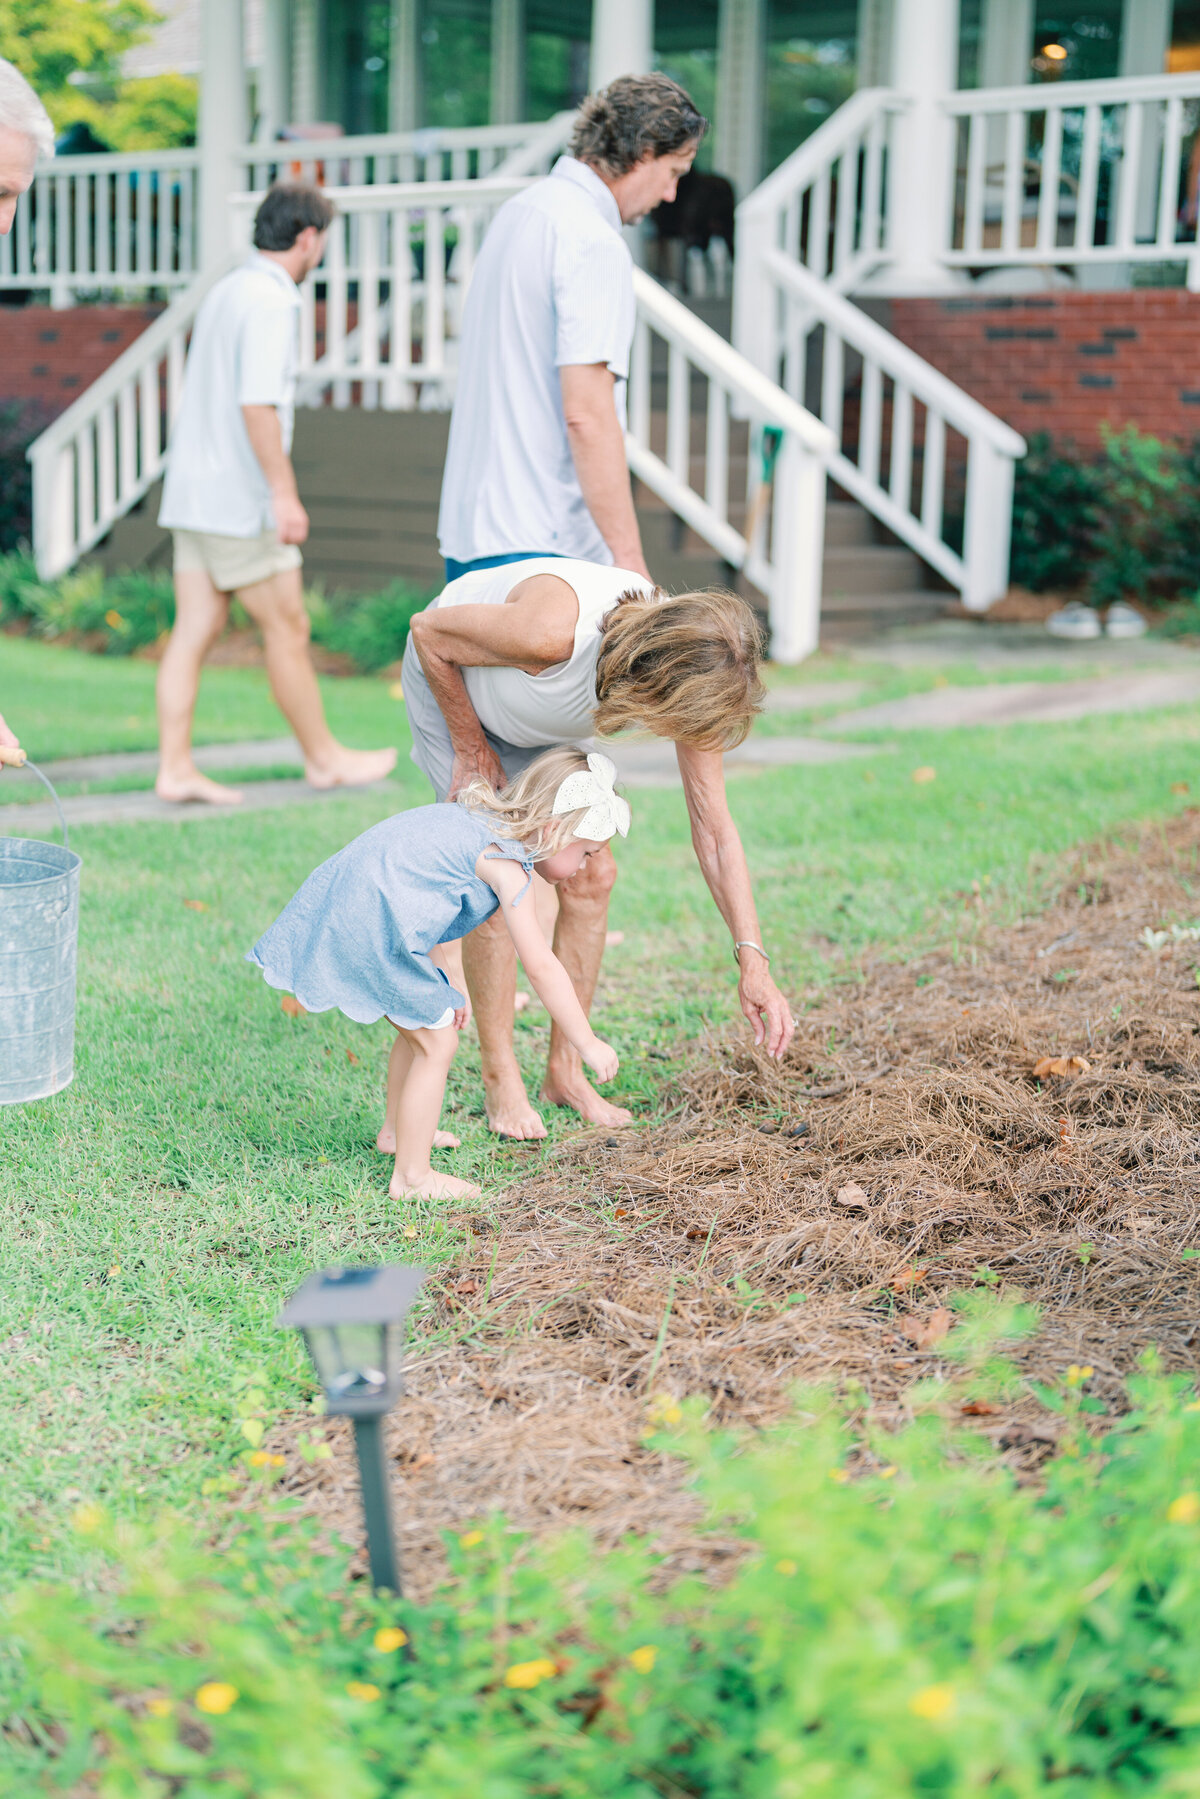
<point x="404" y="67"/>
<point x="741" y="93"/>
<point x="622" y="40"/>
<point x="1145" y="36"/>
<point x="924" y="70"/>
<point x="508" y="62"/>
<point x="1006" y="43"/>
<point x="222" y="122"/>
<point x="275" y="76"/>
<point x="305" y="101"/>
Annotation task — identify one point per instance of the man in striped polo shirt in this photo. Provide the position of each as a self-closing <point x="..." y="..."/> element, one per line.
<point x="536" y="460"/>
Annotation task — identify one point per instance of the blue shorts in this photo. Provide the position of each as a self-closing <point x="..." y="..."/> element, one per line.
<point x="455" y="569"/>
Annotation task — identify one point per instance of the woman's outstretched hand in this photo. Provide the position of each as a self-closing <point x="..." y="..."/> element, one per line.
<point x="768" y="1011"/>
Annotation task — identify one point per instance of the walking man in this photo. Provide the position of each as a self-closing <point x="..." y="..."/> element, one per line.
<point x="230" y="499"/>
<point x="536" y="460"/>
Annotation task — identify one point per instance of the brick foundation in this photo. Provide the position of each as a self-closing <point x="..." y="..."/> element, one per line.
<point x="1065" y="362"/>
<point x="47" y="358"/>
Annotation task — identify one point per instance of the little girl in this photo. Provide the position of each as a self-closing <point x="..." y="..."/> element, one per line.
<point x="376" y="931"/>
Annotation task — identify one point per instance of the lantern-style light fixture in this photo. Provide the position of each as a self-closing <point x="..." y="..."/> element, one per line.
<point x="353" y="1325"/>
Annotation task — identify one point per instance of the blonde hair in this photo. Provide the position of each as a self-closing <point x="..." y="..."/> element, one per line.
<point x="524" y="812"/>
<point x="684" y="668"/>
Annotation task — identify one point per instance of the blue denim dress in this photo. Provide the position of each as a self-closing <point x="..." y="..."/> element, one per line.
<point x="358" y="934"/>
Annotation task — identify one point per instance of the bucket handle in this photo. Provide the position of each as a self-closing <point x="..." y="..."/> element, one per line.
<point x="33" y="768"/>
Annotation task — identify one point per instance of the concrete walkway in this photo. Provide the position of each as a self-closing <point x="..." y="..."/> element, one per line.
<point x="144" y="806"/>
<point x="1024" y="702"/>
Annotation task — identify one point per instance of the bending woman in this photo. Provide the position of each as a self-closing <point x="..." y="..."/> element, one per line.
<point x="509" y="660"/>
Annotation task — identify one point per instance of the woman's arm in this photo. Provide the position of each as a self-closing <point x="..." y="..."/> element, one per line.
<point x="597" y="445"/>
<point x="547" y="976"/>
<point x="723" y="864"/>
<point x="534" y="629"/>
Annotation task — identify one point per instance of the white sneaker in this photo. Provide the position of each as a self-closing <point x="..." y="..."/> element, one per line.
<point x="1124" y="621"/>
<point x="1075" y="620"/>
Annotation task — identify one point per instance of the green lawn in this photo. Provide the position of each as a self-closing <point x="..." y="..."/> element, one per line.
<point x="212" y="1151"/>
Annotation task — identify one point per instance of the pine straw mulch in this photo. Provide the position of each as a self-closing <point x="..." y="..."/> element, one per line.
<point x="668" y="1261"/>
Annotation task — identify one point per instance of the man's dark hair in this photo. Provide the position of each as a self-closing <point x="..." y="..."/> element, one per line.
<point x="617" y="126"/>
<point x="289" y="209"/>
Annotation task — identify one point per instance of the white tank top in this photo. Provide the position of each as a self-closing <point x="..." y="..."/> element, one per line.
<point x="557" y="705"/>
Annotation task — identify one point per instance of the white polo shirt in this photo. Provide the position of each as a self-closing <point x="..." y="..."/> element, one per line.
<point x="244" y="352"/>
<point x="553" y="287"/>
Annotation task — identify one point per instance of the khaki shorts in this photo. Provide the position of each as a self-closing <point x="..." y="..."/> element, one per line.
<point x="235" y="562"/>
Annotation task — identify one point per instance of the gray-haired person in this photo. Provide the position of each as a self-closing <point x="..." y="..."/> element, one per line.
<point x="25" y="134"/>
<point x="536" y="460"/>
<point x="231" y="501"/>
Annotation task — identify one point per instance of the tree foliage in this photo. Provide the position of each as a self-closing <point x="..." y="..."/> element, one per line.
<point x="71" y="52"/>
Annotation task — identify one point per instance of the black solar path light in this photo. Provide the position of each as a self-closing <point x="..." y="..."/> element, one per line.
<point x="353" y="1325"/>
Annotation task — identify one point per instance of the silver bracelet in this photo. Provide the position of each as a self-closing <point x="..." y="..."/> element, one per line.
<point x="748" y="943"/>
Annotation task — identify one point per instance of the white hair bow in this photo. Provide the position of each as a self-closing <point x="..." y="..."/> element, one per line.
<point x="607" y="813"/>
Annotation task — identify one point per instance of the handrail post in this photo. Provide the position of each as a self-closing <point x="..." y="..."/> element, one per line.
<point x="987" y="531"/>
<point x="755" y="302"/>
<point x="797" y="552"/>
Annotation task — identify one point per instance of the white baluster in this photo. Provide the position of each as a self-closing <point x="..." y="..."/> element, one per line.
<point x="797" y="549"/>
<point x="900" y="471"/>
<point x="933" y="472"/>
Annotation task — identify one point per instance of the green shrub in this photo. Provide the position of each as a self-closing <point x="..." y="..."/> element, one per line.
<point x="907" y="1619"/>
<point x="1055" y="497"/>
<point x="372" y="628"/>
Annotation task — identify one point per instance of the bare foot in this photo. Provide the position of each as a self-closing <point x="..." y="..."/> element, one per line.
<point x="385" y="1142"/>
<point x="350" y="768"/>
<point x="180" y="789"/>
<point x="522" y="1001"/>
<point x="509" y="1112"/>
<point x="431" y="1186"/>
<point x="576" y="1091"/>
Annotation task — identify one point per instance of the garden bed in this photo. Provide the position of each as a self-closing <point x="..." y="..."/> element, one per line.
<point x="722" y="1255"/>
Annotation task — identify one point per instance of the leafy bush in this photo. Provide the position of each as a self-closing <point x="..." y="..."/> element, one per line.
<point x="369" y="628"/>
<point x="1125" y="525"/>
<point x="907" y="1619"/>
<point x="19" y="425"/>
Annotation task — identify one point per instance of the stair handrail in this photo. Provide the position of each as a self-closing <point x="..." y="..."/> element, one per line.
<point x="980" y="571"/>
<point x="781" y="549"/>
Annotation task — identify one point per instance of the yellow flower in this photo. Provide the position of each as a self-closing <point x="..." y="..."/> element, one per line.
<point x="934" y="1704"/>
<point x="530" y="1674"/>
<point x="113" y="619"/>
<point x="395" y="691"/>
<point x="1193" y="1406"/>
<point x="664" y="1408"/>
<point x="410" y="1231"/>
<point x="887" y="1473"/>
<point x="216" y="1697"/>
<point x="470" y="1538"/>
<point x="159" y="1708"/>
<point x="87" y="1519"/>
<point x="839" y="1475"/>
<point x="363" y="1689"/>
<point x="391" y="1638"/>
<point x="785" y="1567"/>
<point x="1185" y="1509"/>
<point x="1076" y="1375"/>
<point x="643" y="1659"/>
<point x="262" y="1458"/>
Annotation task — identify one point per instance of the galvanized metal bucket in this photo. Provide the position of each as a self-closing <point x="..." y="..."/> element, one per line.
<point x="39" y="929"/>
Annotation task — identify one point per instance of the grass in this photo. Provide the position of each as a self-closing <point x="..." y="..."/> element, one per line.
<point x="212" y="1150"/>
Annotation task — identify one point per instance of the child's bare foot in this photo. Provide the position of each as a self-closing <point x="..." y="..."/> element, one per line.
<point x="193" y="786"/>
<point x="576" y="1091"/>
<point x="350" y="768"/>
<point x="385" y="1142"/>
<point x="522" y="1001"/>
<point x="431" y="1185"/>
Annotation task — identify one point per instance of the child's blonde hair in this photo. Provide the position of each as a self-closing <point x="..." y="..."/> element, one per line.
<point x="524" y="811"/>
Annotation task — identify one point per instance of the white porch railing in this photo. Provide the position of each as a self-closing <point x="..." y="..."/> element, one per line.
<point x="129" y="223"/>
<point x="917" y="441"/>
<point x="117" y="222"/>
<point x="680" y="448"/>
<point x="1077" y="172"/>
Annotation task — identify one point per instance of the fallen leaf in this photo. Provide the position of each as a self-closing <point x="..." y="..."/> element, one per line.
<point x="924" y="1332"/>
<point x="923" y="776"/>
<point x="852" y="1195"/>
<point x="465" y="1286"/>
<point x="1180" y="787"/>
<point x="425" y="1460"/>
<point x="979" y="1408"/>
<point x="352" y="1058"/>
<point x="1068" y="1066"/>
<point x="395" y="691"/>
<point x="620" y="1212"/>
<point x="908" y="1276"/>
<point x="196" y="905"/>
<point x="292" y="1007"/>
